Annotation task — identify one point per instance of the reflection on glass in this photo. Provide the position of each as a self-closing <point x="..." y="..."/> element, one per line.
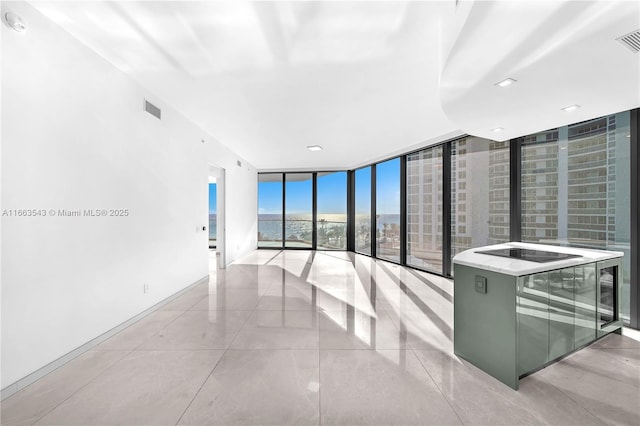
<point x="424" y="209"/>
<point x="298" y="226"/>
<point x="270" y="210"/>
<point x="332" y="211"/>
<point x="607" y="306"/>
<point x="575" y="188"/>
<point x="533" y="321"/>
<point x="561" y="312"/>
<point x="388" y="210"/>
<point x="479" y="193"/>
<point x="585" y="304"/>
<point x="363" y="210"/>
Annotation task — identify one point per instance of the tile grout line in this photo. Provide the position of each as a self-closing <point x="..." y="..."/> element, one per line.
<point x="586" y="409"/>
<point x="436" y="384"/>
<point x="126" y="352"/>
<point x="577" y="403"/>
<point x="200" y="388"/>
<point x="137" y="348"/>
<point x="195" y="395"/>
<point x="208" y="375"/>
<point x="91" y="344"/>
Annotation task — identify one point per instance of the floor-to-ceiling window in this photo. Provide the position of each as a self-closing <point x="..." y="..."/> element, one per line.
<point x="388" y="210"/>
<point x="571" y="186"/>
<point x="298" y="215"/>
<point x="425" y="209"/>
<point x="576" y="188"/>
<point x="363" y="210"/>
<point x="270" y="216"/>
<point x="213" y="223"/>
<point x="286" y="210"/>
<point x="331" y="227"/>
<point x="479" y="193"/>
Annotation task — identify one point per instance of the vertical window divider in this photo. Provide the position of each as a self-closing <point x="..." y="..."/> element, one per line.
<point x="515" y="189"/>
<point x="515" y="208"/>
<point x="634" y="296"/>
<point x="351" y="210"/>
<point x="446" y="209"/>
<point x="403" y="210"/>
<point x="284" y="211"/>
<point x="374" y="224"/>
<point x="314" y="211"/>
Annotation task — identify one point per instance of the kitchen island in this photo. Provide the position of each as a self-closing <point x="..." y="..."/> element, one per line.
<point x="520" y="306"/>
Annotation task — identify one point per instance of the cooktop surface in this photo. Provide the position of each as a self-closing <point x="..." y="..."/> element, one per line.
<point x="529" y="255"/>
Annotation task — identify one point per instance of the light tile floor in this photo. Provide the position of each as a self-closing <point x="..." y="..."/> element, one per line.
<point x="308" y="338"/>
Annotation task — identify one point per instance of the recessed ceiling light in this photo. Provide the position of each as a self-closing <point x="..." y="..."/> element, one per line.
<point x="15" y="22"/>
<point x="497" y="129"/>
<point x="506" y="82"/>
<point x="314" y="148"/>
<point x="570" y="108"/>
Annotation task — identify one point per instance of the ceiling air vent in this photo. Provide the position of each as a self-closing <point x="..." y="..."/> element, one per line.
<point x="152" y="109"/>
<point x="631" y="40"/>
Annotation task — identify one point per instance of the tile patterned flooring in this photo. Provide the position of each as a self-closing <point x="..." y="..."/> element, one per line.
<point x="308" y="338"/>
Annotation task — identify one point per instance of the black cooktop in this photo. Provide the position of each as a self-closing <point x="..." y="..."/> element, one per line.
<point x="528" y="254"/>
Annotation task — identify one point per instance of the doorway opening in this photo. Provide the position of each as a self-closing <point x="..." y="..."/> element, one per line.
<point x="216" y="213"/>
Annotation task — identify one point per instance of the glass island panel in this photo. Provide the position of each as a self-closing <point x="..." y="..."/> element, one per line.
<point x="513" y="317"/>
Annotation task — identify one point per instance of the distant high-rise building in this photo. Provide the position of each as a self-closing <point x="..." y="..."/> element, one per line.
<point x="540" y="186"/>
<point x="587" y="183"/>
<point x="499" y="192"/>
<point x="424" y="208"/>
<point x="479" y="167"/>
<point x="569" y="184"/>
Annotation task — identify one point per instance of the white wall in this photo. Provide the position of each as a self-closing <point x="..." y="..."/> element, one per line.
<point x="74" y="136"/>
<point x="241" y="200"/>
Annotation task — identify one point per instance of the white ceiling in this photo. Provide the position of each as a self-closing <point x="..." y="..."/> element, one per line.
<point x="560" y="53"/>
<point x="365" y="80"/>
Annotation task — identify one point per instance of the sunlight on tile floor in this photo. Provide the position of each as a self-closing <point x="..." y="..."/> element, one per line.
<point x="308" y="338"/>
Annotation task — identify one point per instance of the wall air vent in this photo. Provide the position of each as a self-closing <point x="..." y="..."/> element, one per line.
<point x="631" y="40"/>
<point x="152" y="109"/>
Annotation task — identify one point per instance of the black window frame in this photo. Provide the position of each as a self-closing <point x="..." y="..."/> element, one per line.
<point x="314" y="209"/>
<point x="515" y="207"/>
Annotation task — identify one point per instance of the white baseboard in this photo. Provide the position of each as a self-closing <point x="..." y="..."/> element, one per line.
<point x="38" y="374"/>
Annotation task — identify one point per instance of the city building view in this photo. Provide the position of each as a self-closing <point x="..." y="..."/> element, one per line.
<point x="372" y="213"/>
<point x="575" y="188"/>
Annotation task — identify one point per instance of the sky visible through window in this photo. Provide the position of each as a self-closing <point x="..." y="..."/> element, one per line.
<point x="388" y="187"/>
<point x="332" y="195"/>
<point x="212" y="198"/>
<point x="270" y="197"/>
<point x="213" y="208"/>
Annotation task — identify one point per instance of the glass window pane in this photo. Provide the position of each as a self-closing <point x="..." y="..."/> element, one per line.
<point x="424" y="209"/>
<point x="332" y="211"/>
<point x="479" y="193"/>
<point x="388" y="210"/>
<point x="270" y="210"/>
<point x="575" y="188"/>
<point x="213" y="228"/>
<point x="363" y="210"/>
<point x="298" y="209"/>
